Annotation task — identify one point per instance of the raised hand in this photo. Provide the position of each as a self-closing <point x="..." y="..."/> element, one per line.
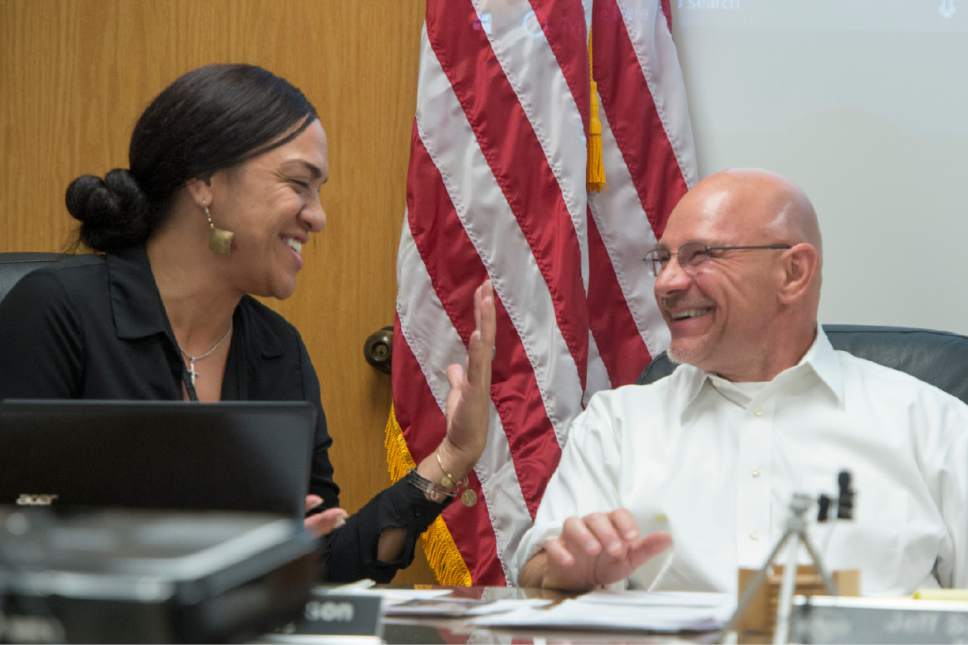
<point x="467" y="409"/>
<point x="470" y="391"/>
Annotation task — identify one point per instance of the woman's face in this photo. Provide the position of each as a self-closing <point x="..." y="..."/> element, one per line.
<point x="271" y="203"/>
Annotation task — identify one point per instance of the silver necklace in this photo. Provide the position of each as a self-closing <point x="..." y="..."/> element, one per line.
<point x="192" y="372"/>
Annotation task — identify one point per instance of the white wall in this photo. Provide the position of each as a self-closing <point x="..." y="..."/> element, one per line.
<point x="864" y="103"/>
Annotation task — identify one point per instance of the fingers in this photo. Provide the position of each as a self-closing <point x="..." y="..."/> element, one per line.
<point x="559" y="554"/>
<point x="455" y="375"/>
<point x="325" y="522"/>
<point x="648" y="547"/>
<point x="478" y="306"/>
<point x="612" y="541"/>
<point x="570" y="557"/>
<point x="578" y="538"/>
<point x="599" y="548"/>
<point x="481" y="343"/>
<point x="587" y="534"/>
<point x="488" y="321"/>
<point x="624" y="523"/>
<point x="467" y="405"/>
<point x="599" y="532"/>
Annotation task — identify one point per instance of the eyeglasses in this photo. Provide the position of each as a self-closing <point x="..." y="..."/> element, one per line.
<point x="692" y="254"/>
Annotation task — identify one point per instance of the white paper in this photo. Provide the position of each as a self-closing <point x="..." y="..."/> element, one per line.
<point x="658" y="598"/>
<point x="390" y="596"/>
<point x="634" y="614"/>
<point x="506" y="605"/>
<point x="461" y="607"/>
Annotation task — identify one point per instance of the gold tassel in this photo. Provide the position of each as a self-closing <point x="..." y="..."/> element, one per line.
<point x="442" y="554"/>
<point x="595" y="174"/>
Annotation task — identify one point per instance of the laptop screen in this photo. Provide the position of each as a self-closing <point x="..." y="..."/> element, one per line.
<point x="241" y="456"/>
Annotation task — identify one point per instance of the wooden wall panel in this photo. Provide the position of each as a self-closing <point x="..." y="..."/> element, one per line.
<point x="75" y="75"/>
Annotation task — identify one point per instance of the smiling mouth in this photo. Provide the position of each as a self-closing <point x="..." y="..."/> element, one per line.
<point x="294" y="244"/>
<point x="686" y="314"/>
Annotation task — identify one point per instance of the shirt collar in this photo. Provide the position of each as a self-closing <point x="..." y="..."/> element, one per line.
<point x="262" y="335"/>
<point x="139" y="312"/>
<point x="820" y="360"/>
<point x="135" y="302"/>
<point x="693" y="381"/>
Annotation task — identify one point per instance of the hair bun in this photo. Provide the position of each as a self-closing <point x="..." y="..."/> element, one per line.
<point x="113" y="211"/>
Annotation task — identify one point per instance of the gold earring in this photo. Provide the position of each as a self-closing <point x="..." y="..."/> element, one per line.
<point x="219" y="240"/>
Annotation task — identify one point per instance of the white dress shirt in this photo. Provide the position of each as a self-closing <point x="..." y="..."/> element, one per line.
<point x="716" y="464"/>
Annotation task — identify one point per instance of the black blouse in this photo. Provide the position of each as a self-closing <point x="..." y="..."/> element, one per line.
<point x="94" y="327"/>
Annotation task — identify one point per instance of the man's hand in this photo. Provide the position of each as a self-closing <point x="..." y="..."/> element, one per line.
<point x="598" y="549"/>
<point x="323" y="523"/>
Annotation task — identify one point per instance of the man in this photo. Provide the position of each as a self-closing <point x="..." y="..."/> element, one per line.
<point x="761" y="407"/>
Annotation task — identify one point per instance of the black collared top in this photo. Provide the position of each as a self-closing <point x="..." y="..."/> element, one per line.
<point x="94" y="327"/>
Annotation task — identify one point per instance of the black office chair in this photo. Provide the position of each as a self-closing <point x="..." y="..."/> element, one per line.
<point x="936" y="357"/>
<point x="14" y="266"/>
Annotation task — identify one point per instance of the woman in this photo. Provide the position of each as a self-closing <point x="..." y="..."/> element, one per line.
<point x="221" y="195"/>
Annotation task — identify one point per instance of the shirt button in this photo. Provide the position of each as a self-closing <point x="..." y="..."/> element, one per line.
<point x="755" y="473"/>
<point x="754" y="536"/>
<point x="757" y="412"/>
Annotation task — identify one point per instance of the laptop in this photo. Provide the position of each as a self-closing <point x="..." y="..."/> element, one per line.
<point x="176" y="455"/>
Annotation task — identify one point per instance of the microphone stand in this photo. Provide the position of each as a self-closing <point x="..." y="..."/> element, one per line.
<point x="796" y="527"/>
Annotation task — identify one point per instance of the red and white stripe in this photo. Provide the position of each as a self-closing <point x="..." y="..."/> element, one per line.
<point x="496" y="188"/>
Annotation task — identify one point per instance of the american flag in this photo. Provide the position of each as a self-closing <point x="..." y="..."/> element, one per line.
<point x="497" y="188"/>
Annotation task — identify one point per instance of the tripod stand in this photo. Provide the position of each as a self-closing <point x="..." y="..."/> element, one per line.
<point x="796" y="527"/>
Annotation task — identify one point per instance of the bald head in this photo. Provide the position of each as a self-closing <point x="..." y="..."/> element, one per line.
<point x="758" y="201"/>
<point x="747" y="309"/>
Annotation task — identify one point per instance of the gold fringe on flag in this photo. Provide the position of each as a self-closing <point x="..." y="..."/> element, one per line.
<point x="446" y="561"/>
<point x="595" y="175"/>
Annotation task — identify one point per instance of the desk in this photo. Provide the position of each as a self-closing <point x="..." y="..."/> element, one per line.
<point x="450" y="630"/>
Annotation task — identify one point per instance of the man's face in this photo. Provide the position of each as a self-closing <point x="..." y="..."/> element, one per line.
<point x="719" y="310"/>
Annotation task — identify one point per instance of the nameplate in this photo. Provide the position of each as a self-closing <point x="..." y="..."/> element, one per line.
<point x="874" y="620"/>
<point x="346" y="615"/>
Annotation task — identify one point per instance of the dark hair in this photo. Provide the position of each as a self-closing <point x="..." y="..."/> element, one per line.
<point x="209" y="119"/>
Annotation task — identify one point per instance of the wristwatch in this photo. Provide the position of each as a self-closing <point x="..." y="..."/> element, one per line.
<point x="431" y="491"/>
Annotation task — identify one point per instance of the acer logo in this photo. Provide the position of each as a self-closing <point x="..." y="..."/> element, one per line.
<point x="36" y="499"/>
